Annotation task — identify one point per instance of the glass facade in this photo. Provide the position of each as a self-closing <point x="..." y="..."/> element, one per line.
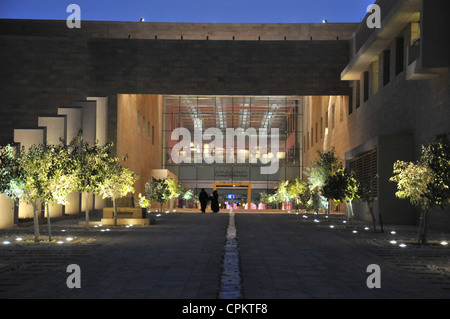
<point x="205" y="163"/>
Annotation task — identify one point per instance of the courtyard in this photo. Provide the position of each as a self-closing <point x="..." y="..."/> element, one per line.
<point x="180" y="255"/>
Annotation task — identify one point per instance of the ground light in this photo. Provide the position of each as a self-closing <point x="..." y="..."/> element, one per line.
<point x="393" y="242"/>
<point x="402" y="245"/>
<point x="6" y="242"/>
<point x="444" y="243"/>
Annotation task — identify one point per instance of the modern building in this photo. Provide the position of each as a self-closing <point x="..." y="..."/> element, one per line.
<point x="376" y="95"/>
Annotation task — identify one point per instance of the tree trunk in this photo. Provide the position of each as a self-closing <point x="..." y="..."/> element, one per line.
<point x="86" y="201"/>
<point x="36" y="222"/>
<point x="115" y="211"/>
<point x="422" y="237"/>
<point x="48" y="223"/>
<point x="370" y="206"/>
<point x="349" y="210"/>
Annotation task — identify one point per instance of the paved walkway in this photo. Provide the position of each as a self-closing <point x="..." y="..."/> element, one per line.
<point x="282" y="256"/>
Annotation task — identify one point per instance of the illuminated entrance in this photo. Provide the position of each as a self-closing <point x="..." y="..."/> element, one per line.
<point x="235" y="195"/>
<point x="279" y="116"/>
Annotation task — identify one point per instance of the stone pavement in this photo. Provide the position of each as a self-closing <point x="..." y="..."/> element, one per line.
<point x="282" y="256"/>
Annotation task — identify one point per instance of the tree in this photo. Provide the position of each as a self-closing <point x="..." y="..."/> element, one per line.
<point x="118" y="182"/>
<point x="367" y="194"/>
<point x="327" y="164"/>
<point x="298" y="190"/>
<point x="30" y="189"/>
<point x="158" y="191"/>
<point x="91" y="162"/>
<point x="425" y="182"/>
<point x="11" y="171"/>
<point x="281" y="194"/>
<point x="316" y="201"/>
<point x="57" y="176"/>
<point x="342" y="188"/>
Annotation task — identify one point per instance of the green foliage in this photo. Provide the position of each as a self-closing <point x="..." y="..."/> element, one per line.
<point x="340" y="187"/>
<point x="118" y="181"/>
<point x="175" y="187"/>
<point x="157" y="191"/>
<point x="316" y="201"/>
<point x="327" y="164"/>
<point x="91" y="165"/>
<point x="426" y="182"/>
<point x="144" y="202"/>
<point x="11" y="172"/>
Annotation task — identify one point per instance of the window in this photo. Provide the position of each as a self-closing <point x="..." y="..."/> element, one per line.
<point x="321" y="127"/>
<point x="326" y="119"/>
<point x="375" y="77"/>
<point x="148" y="131"/>
<point x="307" y="140"/>
<point x="350" y="104"/>
<point x="365" y="168"/>
<point x="316" y="132"/>
<point x="386" y="67"/>
<point x="332" y="115"/>
<point x="143" y="126"/>
<point x="366" y="86"/>
<point x="399" y="55"/>
<point x="153" y="135"/>
<point x="139" y="121"/>
<point x="357" y="94"/>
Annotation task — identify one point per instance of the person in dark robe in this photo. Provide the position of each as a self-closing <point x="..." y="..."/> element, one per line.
<point x="215" y="202"/>
<point x="203" y="199"/>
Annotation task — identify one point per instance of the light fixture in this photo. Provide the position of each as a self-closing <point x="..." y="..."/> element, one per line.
<point x="402" y="245"/>
<point x="444" y="243"/>
<point x="6" y="242"/>
<point x="393" y="242"/>
<point x="142" y="20"/>
<point x="19" y="238"/>
<point x="324" y="21"/>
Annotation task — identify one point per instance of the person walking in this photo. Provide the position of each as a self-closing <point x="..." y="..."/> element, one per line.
<point x="203" y="198"/>
<point x="215" y="202"/>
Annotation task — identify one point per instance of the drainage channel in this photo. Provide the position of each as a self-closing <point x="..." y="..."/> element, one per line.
<point x="230" y="286"/>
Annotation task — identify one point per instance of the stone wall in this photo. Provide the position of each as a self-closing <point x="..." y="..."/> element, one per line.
<point x="41" y="72"/>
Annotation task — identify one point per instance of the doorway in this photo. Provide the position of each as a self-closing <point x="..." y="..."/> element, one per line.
<point x="234" y="195"/>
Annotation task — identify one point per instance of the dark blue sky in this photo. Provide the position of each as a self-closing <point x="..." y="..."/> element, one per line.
<point x="259" y="11"/>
